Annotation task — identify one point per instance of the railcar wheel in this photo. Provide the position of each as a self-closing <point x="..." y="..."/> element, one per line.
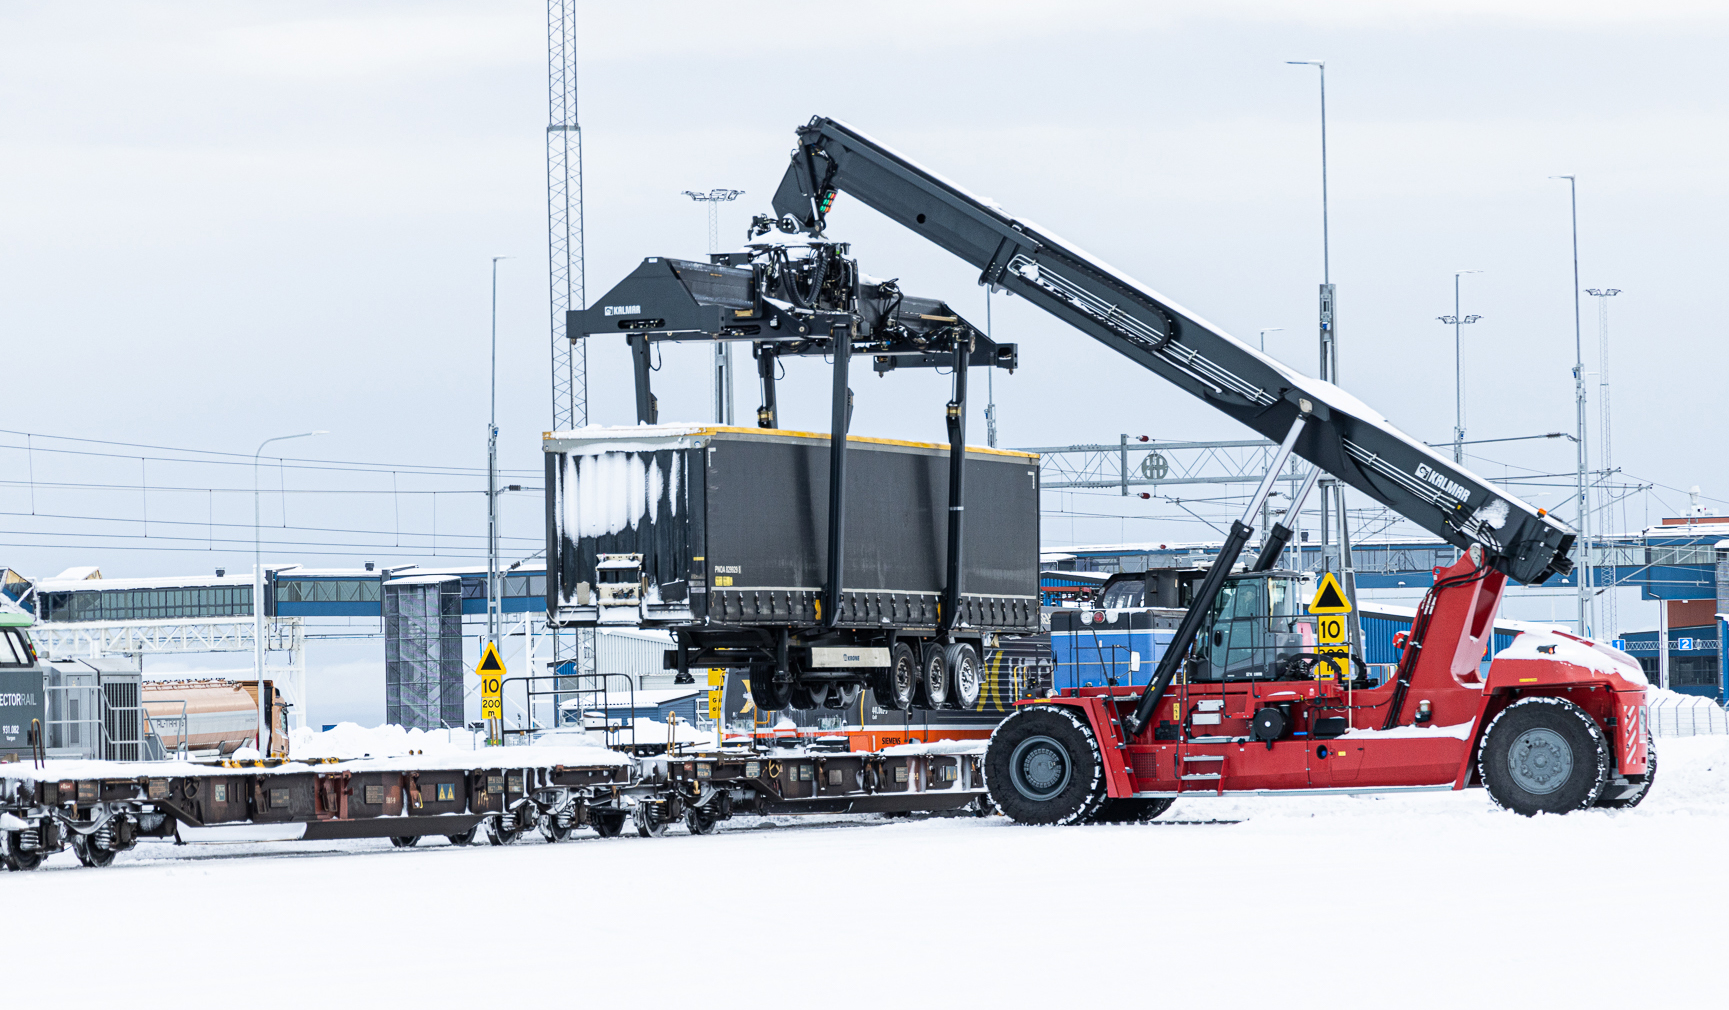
<point x="550" y="830"/>
<point x="648" y="820"/>
<point x="608" y="824"/>
<point x="1544" y="755"/>
<point x="13" y="857"/>
<point x="965" y="681"/>
<point x="499" y="833"/>
<point x="1043" y="766"/>
<point x="463" y="837"/>
<point x="765" y="693"/>
<point x="405" y="841"/>
<point x="91" y="854"/>
<point x="897" y="687"/>
<point x="1130" y="810"/>
<point x="701" y="821"/>
<point x="1625" y="797"/>
<point x="934" y="679"/>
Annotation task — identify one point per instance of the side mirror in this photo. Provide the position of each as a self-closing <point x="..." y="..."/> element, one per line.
<point x="1218" y="638"/>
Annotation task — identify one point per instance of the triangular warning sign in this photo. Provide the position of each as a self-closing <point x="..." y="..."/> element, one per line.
<point x="1329" y="597"/>
<point x="489" y="661"/>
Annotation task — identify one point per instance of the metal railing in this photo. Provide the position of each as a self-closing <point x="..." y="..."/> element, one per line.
<point x="562" y="694"/>
<point x="1687" y="720"/>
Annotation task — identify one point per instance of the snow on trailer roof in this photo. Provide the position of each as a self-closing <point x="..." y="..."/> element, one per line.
<point x="655" y="437"/>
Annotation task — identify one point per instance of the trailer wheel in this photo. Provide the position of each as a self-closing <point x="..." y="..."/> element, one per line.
<point x="608" y="824"/>
<point x="807" y="695"/>
<point x="1043" y="766"/>
<point x="405" y="841"/>
<point x="965" y="685"/>
<point x="764" y="692"/>
<point x="897" y="686"/>
<point x="1544" y="755"/>
<point x="1130" y="810"/>
<point x="1621" y="797"/>
<point x="463" y="837"/>
<point x="934" y="679"/>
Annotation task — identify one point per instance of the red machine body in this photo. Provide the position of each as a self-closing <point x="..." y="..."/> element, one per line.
<point x="1201" y="740"/>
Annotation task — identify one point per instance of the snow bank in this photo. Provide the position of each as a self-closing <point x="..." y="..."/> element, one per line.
<point x="350" y="740"/>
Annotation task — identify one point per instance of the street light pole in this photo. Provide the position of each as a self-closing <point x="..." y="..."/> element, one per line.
<point x="722" y="349"/>
<point x="1330" y="372"/>
<point x="1605" y="457"/>
<point x="492" y="477"/>
<point x="1456" y="321"/>
<point x="1584" y="570"/>
<point x="258" y="598"/>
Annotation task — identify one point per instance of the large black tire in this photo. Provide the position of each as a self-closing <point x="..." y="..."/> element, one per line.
<point x="897" y="687"/>
<point x="1544" y="755"/>
<point x="1622" y="795"/>
<point x="809" y="695"/>
<point x="1043" y="766"/>
<point x="933" y="679"/>
<point x="1130" y="810"/>
<point x="966" y="680"/>
<point x="765" y="693"/>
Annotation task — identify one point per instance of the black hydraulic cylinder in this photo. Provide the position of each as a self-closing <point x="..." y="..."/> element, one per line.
<point x="1177" y="652"/>
<point x="647" y="411"/>
<point x="765" y="365"/>
<point x="840" y="420"/>
<point x="957" y="425"/>
<point x="1268" y="559"/>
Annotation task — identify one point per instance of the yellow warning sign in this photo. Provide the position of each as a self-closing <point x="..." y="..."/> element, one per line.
<point x="491" y="673"/>
<point x="716" y="690"/>
<point x="1329" y="597"/>
<point x="1331" y="629"/>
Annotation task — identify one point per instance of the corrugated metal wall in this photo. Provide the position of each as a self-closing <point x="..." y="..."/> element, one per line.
<point x="635" y="652"/>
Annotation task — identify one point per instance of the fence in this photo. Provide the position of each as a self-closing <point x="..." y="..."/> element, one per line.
<point x="1687" y="720"/>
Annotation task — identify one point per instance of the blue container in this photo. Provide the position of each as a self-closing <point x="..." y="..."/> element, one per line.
<point x="1090" y="653"/>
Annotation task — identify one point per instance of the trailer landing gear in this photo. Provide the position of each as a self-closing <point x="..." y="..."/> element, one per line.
<point x="1044" y="767"/>
<point x="1544" y="755"/>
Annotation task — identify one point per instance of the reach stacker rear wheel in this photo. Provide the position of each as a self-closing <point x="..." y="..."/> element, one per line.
<point x="1544" y="755"/>
<point x="1044" y="767"/>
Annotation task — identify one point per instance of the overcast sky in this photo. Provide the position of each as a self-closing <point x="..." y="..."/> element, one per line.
<point x="224" y="222"/>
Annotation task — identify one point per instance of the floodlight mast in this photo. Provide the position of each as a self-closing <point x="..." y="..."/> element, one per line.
<point x="722" y="350"/>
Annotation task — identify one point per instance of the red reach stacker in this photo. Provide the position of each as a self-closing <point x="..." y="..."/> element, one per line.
<point x="1240" y="701"/>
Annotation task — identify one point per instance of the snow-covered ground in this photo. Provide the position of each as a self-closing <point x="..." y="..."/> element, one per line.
<point x="1399" y="901"/>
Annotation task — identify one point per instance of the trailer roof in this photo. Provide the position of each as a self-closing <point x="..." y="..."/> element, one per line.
<point x="620" y="437"/>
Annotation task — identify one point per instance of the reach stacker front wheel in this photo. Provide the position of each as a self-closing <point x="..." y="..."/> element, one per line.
<point x="1544" y="755"/>
<point x="1044" y="767"/>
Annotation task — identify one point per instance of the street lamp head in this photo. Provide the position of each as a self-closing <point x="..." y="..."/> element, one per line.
<point x="1470" y="319"/>
<point x="1449" y="320"/>
<point x="1567" y="177"/>
<point x="1461" y="273"/>
<point x="1603" y="292"/>
<point x="719" y="195"/>
<point x="1307" y="63"/>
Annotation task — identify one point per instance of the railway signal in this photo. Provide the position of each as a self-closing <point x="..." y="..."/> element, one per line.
<point x="491" y="673"/>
